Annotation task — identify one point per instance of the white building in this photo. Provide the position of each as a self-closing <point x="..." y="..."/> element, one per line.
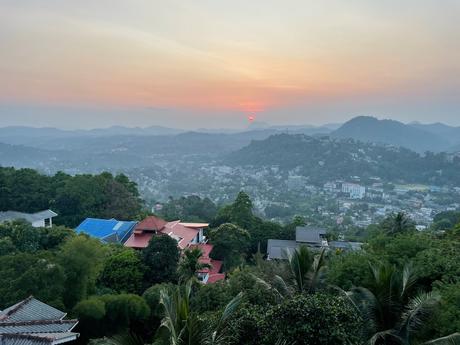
<point x="355" y="191"/>
<point x="42" y="219"/>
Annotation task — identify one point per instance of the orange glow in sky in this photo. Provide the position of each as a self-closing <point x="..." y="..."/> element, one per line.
<point x="249" y="57"/>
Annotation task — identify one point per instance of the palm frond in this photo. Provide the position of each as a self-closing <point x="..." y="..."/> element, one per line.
<point x="219" y="334"/>
<point x="408" y="279"/>
<point x="316" y="274"/>
<point x="453" y="339"/>
<point x="418" y="311"/>
<point x="383" y="335"/>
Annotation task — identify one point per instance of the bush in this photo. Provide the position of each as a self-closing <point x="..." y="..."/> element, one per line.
<point x="312" y="320"/>
<point x="123" y="272"/>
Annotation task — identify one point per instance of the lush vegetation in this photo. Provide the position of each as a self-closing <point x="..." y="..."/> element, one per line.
<point x="326" y="159"/>
<point x="403" y="288"/>
<point x="74" y="198"/>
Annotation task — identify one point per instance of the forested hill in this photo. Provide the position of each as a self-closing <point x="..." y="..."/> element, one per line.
<point x="325" y="158"/>
<point x="419" y="138"/>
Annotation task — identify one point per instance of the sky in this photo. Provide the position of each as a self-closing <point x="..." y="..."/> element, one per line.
<point x="208" y="63"/>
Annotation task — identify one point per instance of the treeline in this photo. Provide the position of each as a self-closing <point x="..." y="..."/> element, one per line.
<point x="74" y="198"/>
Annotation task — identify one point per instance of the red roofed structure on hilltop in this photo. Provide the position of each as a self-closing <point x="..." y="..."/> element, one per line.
<point x="186" y="234"/>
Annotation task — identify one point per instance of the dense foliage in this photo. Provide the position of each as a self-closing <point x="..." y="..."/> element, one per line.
<point x="74" y="198"/>
<point x="402" y="288"/>
<point x="326" y="159"/>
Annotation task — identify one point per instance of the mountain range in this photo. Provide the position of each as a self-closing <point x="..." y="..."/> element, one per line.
<point x="116" y="147"/>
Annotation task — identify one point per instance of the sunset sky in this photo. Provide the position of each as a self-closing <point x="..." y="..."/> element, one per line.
<point x="190" y="64"/>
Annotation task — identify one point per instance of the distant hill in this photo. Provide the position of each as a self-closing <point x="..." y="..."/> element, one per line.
<point x="323" y="159"/>
<point x="28" y="157"/>
<point x="450" y="133"/>
<point x="370" y="129"/>
<point x="39" y="136"/>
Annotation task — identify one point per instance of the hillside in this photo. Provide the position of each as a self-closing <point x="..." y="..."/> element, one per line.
<point x="370" y="129"/>
<point x="325" y="158"/>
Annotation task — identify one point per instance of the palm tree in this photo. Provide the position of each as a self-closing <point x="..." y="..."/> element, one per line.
<point x="306" y="269"/>
<point x="398" y="223"/>
<point x="182" y="326"/>
<point x="190" y="264"/>
<point x="392" y="315"/>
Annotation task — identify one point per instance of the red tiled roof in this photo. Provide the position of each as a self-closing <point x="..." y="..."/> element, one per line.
<point x="143" y="232"/>
<point x="151" y="223"/>
<point x="181" y="233"/>
<point x="205" y="248"/>
<point x="215" y="278"/>
<point x="139" y="240"/>
<point x="216" y="266"/>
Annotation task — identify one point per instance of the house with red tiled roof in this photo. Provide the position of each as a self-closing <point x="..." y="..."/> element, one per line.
<point x="187" y="235"/>
<point x="209" y="275"/>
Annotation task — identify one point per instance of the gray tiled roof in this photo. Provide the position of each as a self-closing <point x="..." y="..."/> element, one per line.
<point x="47" y="326"/>
<point x="278" y="249"/>
<point x="37" y="339"/>
<point x="30" y="309"/>
<point x="31" y="322"/>
<point x="309" y="234"/>
<point x="30" y="217"/>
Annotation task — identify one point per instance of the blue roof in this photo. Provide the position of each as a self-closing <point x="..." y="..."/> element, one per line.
<point x="117" y="230"/>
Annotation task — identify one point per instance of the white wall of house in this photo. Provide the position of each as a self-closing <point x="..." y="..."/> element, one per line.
<point x="43" y="223"/>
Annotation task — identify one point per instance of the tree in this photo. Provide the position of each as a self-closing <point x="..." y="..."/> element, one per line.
<point x="123" y="272"/>
<point x="25" y="274"/>
<point x="395" y="315"/>
<point x="182" y="326"/>
<point x="23" y="236"/>
<point x="239" y="212"/>
<point x="314" y="319"/>
<point x="103" y="196"/>
<point x="152" y="297"/>
<point x="19" y="235"/>
<point x="82" y="259"/>
<point x="348" y="269"/>
<point x="190" y="264"/>
<point x="110" y="314"/>
<point x="161" y="258"/>
<point x="397" y="224"/>
<point x="446" y="319"/>
<point x="306" y="271"/>
<point x="230" y="242"/>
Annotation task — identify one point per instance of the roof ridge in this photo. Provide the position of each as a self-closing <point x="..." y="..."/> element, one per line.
<point x="37" y="322"/>
<point x="16" y="308"/>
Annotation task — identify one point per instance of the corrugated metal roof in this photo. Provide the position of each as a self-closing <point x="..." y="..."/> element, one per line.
<point x="309" y="234"/>
<point x="278" y="249"/>
<point x="30" y="309"/>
